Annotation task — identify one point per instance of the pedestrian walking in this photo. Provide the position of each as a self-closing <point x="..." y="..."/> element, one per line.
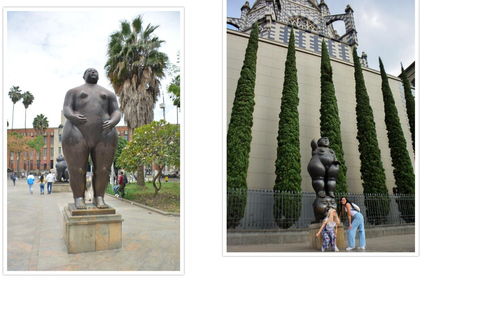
<point x="355" y="221"/>
<point x="328" y="230"/>
<point x="41" y="180"/>
<point x="14" y="178"/>
<point x="50" y="179"/>
<point x="122" y="181"/>
<point x="30" y="181"/>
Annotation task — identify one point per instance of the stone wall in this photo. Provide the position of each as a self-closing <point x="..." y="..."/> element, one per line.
<point x="268" y="93"/>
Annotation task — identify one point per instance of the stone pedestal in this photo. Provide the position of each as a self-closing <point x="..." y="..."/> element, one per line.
<point x="317" y="242"/>
<point x="60" y="187"/>
<point x="91" y="229"/>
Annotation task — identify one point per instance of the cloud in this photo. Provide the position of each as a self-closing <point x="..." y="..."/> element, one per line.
<point x="48" y="51"/>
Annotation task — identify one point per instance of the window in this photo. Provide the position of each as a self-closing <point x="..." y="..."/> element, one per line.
<point x="45" y="153"/>
<point x="59" y="137"/>
<point x="51" y="152"/>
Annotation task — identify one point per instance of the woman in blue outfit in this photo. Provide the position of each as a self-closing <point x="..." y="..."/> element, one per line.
<point x="355" y="221"/>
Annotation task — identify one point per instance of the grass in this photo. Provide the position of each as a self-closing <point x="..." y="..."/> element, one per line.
<point x="167" y="199"/>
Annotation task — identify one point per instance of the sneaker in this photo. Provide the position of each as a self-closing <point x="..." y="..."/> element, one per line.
<point x="349" y="248"/>
<point x="361" y="248"/>
<point x="336" y="249"/>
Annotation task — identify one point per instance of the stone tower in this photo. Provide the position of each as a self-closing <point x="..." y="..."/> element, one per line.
<point x="311" y="21"/>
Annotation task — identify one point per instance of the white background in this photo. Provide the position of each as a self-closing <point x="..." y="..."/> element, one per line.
<point x="435" y="284"/>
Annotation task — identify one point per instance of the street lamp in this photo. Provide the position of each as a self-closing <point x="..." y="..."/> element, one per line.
<point x="162" y="105"/>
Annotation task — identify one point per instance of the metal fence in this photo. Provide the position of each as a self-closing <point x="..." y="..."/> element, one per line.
<point x="258" y="207"/>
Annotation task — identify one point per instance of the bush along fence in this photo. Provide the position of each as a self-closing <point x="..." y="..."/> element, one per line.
<point x="267" y="209"/>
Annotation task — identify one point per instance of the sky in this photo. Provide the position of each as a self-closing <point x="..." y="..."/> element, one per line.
<point x="48" y="50"/>
<point x="385" y="29"/>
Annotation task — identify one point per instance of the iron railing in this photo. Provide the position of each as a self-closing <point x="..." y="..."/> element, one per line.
<point x="258" y="209"/>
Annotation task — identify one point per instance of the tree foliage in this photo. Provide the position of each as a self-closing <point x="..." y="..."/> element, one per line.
<point x="27" y="100"/>
<point x="36" y="144"/>
<point x="15" y="95"/>
<point x="17" y="142"/>
<point x="288" y="181"/>
<point x="239" y="134"/>
<point x="174" y="86"/>
<point x="40" y="124"/>
<point x="135" y="67"/>
<point x="402" y="165"/>
<point x="330" y="119"/>
<point x="410" y="104"/>
<point x="122" y="143"/>
<point x="371" y="165"/>
<point x="157" y="142"/>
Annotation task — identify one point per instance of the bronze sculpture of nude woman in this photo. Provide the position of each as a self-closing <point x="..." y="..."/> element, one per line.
<point x="92" y="113"/>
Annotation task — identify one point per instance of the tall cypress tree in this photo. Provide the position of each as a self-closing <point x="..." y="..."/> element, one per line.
<point x="329" y="118"/>
<point x="371" y="166"/>
<point x="288" y="182"/>
<point x="410" y="104"/>
<point x="402" y="165"/>
<point x="239" y="134"/>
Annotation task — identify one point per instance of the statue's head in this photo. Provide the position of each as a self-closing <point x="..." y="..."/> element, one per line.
<point x="60" y="158"/>
<point x="322" y="206"/>
<point x="323" y="142"/>
<point x="91" y="75"/>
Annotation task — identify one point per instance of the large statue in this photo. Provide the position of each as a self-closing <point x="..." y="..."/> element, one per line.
<point x="61" y="168"/>
<point x="323" y="168"/>
<point x="92" y="114"/>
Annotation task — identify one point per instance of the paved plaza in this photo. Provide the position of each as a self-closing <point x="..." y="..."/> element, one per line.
<point x="151" y="240"/>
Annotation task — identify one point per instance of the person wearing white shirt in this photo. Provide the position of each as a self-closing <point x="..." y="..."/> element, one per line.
<point x="355" y="221"/>
<point x="50" y="179"/>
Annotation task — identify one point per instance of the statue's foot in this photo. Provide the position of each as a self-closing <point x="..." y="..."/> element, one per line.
<point x="80" y="203"/>
<point x="99" y="203"/>
<point x="331" y="195"/>
<point x="322" y="194"/>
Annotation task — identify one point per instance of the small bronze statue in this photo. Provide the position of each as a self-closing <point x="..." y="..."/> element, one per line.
<point x="62" y="170"/>
<point x="323" y="168"/>
<point x="92" y="113"/>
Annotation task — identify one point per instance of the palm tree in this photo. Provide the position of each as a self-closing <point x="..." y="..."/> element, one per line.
<point x="135" y="67"/>
<point x="15" y="94"/>
<point x="27" y="98"/>
<point x="40" y="123"/>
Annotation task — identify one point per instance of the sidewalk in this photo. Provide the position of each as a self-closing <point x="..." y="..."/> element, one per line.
<point x="391" y="244"/>
<point x="151" y="241"/>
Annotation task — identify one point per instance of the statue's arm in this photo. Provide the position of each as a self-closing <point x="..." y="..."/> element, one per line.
<point x="114" y="112"/>
<point x="68" y="109"/>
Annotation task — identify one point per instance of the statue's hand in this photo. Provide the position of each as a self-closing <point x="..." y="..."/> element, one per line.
<point x="108" y="125"/>
<point x="78" y="119"/>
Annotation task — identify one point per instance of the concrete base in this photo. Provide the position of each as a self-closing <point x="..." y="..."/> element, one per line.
<point x="317" y="242"/>
<point x="60" y="187"/>
<point x="92" y="231"/>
